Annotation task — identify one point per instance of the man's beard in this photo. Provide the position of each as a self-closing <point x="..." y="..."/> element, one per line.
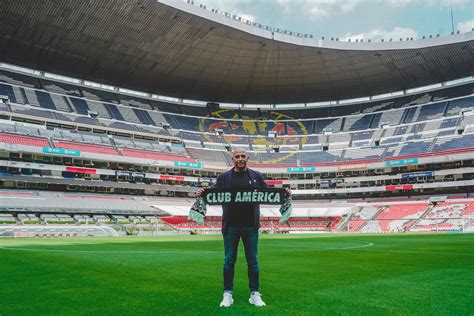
<point x="241" y="166"/>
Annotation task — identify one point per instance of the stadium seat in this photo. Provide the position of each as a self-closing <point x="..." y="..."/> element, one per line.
<point x="98" y="149"/>
<point x="154" y="155"/>
<point x="24" y="140"/>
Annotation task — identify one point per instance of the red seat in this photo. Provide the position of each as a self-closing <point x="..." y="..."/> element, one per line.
<point x="98" y="149"/>
<point x="24" y="140"/>
<point x="401" y="211"/>
<point x="155" y="155"/>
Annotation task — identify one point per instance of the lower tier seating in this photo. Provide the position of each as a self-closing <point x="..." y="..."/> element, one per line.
<point x="98" y="149"/>
<point x="24" y="140"/>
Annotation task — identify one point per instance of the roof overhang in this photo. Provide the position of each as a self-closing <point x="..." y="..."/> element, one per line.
<point x="177" y="49"/>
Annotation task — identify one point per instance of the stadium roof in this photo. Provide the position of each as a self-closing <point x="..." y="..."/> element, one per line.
<point x="177" y="49"/>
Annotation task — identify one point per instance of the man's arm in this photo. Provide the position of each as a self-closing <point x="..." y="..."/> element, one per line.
<point x="218" y="184"/>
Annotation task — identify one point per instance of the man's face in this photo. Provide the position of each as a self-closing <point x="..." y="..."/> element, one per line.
<point x="240" y="158"/>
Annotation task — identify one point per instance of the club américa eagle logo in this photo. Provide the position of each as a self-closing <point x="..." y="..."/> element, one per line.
<point x="235" y="130"/>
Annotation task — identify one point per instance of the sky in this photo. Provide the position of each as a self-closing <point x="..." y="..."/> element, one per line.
<point x="355" y="19"/>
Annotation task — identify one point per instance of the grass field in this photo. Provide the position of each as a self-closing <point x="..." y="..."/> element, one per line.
<point x="300" y="275"/>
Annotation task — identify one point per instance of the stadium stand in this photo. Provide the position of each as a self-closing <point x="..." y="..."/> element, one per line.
<point x="99" y="149"/>
<point x="138" y="140"/>
<point x="24" y="140"/>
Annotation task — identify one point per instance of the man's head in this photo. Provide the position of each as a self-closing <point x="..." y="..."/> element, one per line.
<point x="240" y="158"/>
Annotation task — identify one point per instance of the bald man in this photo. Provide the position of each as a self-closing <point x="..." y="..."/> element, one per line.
<point x="240" y="221"/>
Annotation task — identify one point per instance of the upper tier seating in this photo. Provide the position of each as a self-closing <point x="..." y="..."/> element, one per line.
<point x="424" y="130"/>
<point x="60" y="87"/>
<point x="460" y="104"/>
<point x="77" y="119"/>
<point x="79" y="105"/>
<point x="278" y="158"/>
<point x="19" y="79"/>
<point x="236" y="140"/>
<point x="349" y="123"/>
<point x="134" y="101"/>
<point x="319" y="157"/>
<point x="118" y="125"/>
<point x="195" y="110"/>
<point x="144" y="117"/>
<point x="166" y="107"/>
<point x="212" y="156"/>
<point x="356" y="123"/>
<point x="100" y="95"/>
<point x="455" y="142"/>
<point x="331" y="125"/>
<point x="31" y="111"/>
<point x="7" y="90"/>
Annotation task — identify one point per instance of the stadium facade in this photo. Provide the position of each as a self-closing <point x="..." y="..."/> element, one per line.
<point x="370" y="137"/>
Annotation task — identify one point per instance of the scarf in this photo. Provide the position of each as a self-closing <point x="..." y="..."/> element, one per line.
<point x="269" y="196"/>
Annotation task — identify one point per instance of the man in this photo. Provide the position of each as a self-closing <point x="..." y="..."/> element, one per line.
<point x="240" y="221"/>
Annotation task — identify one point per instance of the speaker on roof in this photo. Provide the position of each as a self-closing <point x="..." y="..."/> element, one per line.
<point x="276" y="149"/>
<point x="228" y="147"/>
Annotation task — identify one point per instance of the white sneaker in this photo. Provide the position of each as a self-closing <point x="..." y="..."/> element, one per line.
<point x="227" y="300"/>
<point x="256" y="299"/>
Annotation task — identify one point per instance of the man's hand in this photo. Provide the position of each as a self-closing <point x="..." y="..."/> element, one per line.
<point x="199" y="192"/>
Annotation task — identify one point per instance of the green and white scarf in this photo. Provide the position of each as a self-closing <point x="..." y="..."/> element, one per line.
<point x="269" y="196"/>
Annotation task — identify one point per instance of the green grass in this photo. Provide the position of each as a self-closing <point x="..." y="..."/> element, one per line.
<point x="300" y="275"/>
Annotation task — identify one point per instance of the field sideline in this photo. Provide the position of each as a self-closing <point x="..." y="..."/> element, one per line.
<point x="300" y="275"/>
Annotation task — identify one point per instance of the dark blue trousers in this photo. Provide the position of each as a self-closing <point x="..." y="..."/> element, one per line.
<point x="249" y="236"/>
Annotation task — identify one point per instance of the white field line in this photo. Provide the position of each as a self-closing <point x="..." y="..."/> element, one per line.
<point x="430" y="252"/>
<point x="366" y="244"/>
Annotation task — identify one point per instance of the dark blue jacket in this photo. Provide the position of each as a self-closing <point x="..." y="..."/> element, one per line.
<point x="224" y="181"/>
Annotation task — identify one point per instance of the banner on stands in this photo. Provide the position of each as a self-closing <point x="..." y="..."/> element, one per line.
<point x="400" y="162"/>
<point x="61" y="151"/>
<point x="301" y="169"/>
<point x="187" y="164"/>
<point x="399" y="187"/>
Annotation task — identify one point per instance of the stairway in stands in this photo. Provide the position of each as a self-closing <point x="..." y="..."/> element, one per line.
<point x="423" y="216"/>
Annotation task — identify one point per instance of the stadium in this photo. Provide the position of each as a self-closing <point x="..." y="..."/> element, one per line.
<point x="113" y="114"/>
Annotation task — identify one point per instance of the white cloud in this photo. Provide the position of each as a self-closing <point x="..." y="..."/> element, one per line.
<point x="222" y="5"/>
<point x="455" y="3"/>
<point x="318" y="9"/>
<point x="429" y="3"/>
<point x="233" y="7"/>
<point x="401" y="3"/>
<point x="466" y="26"/>
<point x="378" y="34"/>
